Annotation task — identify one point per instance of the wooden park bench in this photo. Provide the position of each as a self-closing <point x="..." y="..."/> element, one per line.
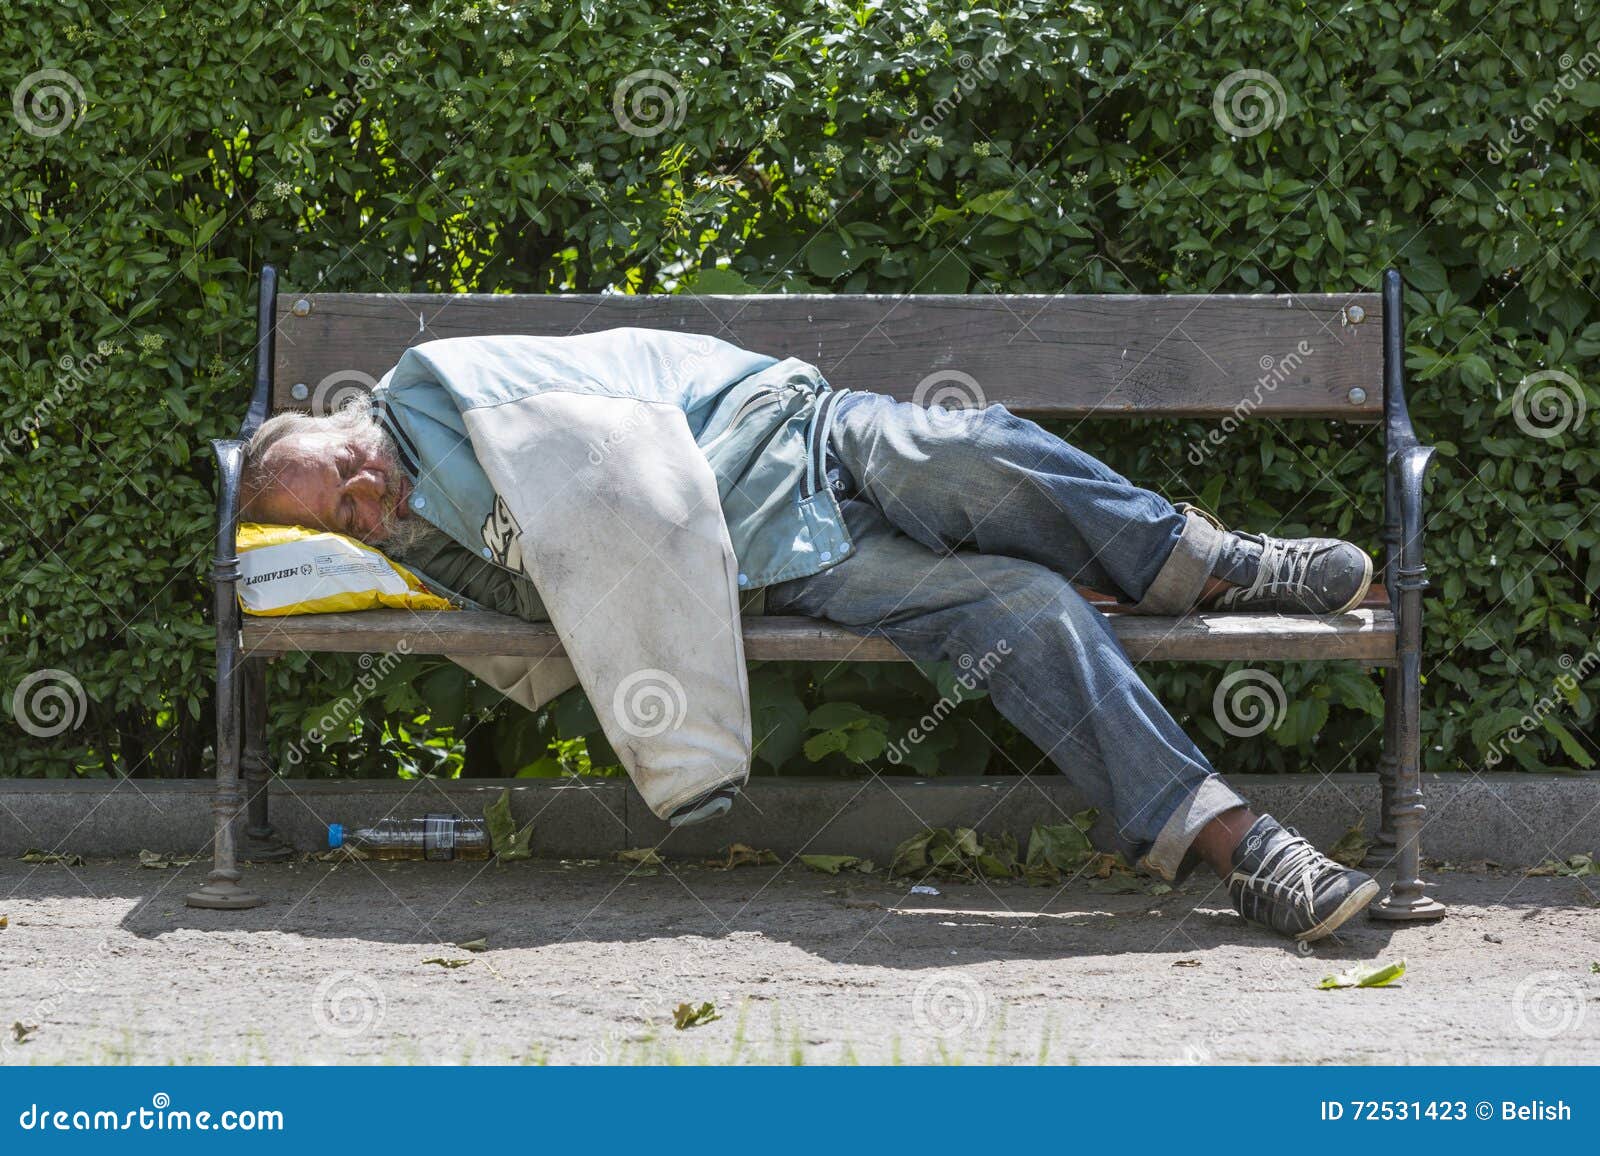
<point x="1228" y="358"/>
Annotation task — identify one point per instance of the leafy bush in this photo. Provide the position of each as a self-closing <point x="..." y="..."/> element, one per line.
<point x="157" y="157"/>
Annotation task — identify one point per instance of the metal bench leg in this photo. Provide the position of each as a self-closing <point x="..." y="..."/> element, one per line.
<point x="1407" y="898"/>
<point x="222" y="888"/>
<point x="1382" y="852"/>
<point x="261" y="842"/>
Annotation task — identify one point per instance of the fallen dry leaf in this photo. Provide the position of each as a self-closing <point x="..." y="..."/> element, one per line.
<point x="442" y="962"/>
<point x="344" y="853"/>
<point x="474" y="945"/>
<point x="20" y="1031"/>
<point x="1186" y="963"/>
<point x="741" y="855"/>
<point x="34" y="855"/>
<point x="642" y="856"/>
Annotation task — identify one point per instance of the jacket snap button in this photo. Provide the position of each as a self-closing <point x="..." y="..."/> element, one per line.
<point x="488" y="553"/>
<point x="744" y="579"/>
<point x="827" y="554"/>
<point x="418" y="502"/>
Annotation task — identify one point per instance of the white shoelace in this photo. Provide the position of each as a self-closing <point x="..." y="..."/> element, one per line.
<point x="1283" y="566"/>
<point x="1297" y="859"/>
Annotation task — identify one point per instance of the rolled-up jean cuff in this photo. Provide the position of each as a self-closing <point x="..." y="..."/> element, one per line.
<point x="1169" y="856"/>
<point x="1177" y="587"/>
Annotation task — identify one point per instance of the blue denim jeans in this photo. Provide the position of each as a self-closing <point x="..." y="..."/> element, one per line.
<point x="970" y="529"/>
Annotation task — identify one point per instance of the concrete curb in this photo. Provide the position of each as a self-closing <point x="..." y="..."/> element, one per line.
<point x="1515" y="819"/>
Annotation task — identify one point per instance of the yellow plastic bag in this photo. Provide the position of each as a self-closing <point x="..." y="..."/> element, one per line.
<point x="294" y="570"/>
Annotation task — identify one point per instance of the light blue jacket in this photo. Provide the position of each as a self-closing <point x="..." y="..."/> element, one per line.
<point x="761" y="423"/>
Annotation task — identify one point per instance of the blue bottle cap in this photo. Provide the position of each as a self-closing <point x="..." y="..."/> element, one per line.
<point x="335" y="835"/>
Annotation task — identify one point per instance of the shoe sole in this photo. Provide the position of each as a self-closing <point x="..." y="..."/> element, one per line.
<point x="1366" y="584"/>
<point x="1357" y="900"/>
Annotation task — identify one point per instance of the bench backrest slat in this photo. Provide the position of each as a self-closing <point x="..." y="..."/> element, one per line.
<point x="1311" y="355"/>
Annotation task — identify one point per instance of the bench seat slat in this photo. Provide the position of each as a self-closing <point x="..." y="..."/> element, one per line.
<point x="1365" y="635"/>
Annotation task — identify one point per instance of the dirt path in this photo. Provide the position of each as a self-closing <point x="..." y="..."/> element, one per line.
<point x="585" y="964"/>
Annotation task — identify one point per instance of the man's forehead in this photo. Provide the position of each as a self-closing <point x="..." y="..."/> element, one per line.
<point x="296" y="466"/>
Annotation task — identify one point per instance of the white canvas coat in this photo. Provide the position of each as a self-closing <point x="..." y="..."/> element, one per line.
<point x="601" y="468"/>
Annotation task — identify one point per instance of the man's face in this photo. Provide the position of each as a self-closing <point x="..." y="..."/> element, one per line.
<point x="345" y="480"/>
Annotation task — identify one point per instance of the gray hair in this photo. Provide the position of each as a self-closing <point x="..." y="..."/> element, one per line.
<point x="256" y="479"/>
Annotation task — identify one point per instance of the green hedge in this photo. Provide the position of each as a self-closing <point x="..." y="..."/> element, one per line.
<point x="155" y="158"/>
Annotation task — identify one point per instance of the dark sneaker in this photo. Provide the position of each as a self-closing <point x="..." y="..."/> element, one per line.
<point x="708" y="806"/>
<point x="1302" y="576"/>
<point x="1282" y="882"/>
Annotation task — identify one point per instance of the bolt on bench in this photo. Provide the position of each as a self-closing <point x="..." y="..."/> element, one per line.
<point x="1339" y="357"/>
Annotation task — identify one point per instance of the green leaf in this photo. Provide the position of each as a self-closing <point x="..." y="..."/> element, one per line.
<point x="687" y="1016"/>
<point x="1352" y="846"/>
<point x="831" y="864"/>
<point x="1575" y="750"/>
<point x="1365" y="975"/>
<point x="509" y="843"/>
<point x="830" y="256"/>
<point x="1063" y="847"/>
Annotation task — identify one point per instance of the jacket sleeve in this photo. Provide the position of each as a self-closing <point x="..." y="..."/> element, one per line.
<point x="448" y="567"/>
<point x="607" y="504"/>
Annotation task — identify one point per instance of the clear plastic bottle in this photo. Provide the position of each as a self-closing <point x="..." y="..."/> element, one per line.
<point x="430" y="837"/>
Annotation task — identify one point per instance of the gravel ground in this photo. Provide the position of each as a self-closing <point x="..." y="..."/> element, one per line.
<point x="585" y="963"/>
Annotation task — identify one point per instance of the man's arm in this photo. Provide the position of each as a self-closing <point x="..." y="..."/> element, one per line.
<point x="441" y="561"/>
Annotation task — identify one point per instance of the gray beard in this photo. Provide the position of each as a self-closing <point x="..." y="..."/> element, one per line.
<point x="406" y="535"/>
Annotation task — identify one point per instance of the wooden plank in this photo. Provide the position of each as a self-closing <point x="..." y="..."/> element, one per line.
<point x="1365" y="635"/>
<point x="1285" y="354"/>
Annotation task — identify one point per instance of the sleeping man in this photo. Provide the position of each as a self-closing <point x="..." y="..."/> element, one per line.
<point x="641" y="489"/>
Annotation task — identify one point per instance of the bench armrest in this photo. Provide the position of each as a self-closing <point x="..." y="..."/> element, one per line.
<point x="1408" y="466"/>
<point x="230" y="464"/>
<point x="1402" y="436"/>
